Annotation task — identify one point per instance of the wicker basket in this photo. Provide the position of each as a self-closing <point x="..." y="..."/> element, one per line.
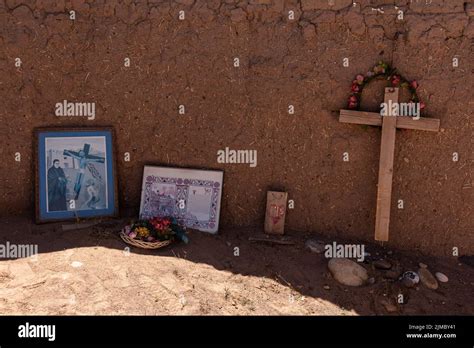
<point x="143" y="244"/>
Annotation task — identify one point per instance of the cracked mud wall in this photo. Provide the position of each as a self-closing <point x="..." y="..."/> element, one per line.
<point x="282" y="62"/>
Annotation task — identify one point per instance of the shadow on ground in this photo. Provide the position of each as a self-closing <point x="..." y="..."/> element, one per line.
<point x="293" y="266"/>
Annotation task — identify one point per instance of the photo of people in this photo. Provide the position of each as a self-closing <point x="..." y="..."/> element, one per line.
<point x="75" y="173"/>
<point x="56" y="187"/>
<point x="76" y="177"/>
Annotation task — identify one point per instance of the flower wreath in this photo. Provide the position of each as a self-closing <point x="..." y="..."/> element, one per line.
<point x="382" y="70"/>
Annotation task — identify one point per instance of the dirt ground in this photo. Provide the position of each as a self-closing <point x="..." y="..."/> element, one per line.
<point x="90" y="271"/>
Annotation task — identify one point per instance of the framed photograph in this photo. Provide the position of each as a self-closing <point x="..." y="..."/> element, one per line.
<point x="75" y="174"/>
<point x="192" y="196"/>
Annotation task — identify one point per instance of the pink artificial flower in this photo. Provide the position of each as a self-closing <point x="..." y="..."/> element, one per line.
<point x="422" y="105"/>
<point x="132" y="234"/>
<point x="360" y="79"/>
<point x="150" y="239"/>
<point x="414" y="84"/>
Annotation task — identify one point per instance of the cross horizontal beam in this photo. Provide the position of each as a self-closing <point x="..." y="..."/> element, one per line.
<point x="375" y="119"/>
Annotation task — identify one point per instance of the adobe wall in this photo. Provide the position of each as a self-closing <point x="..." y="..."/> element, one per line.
<point x="282" y="61"/>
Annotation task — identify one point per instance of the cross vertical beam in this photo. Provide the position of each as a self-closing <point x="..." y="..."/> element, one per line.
<point x="387" y="151"/>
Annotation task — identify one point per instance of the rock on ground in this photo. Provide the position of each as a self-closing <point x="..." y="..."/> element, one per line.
<point x="428" y="279"/>
<point x="315" y="246"/>
<point x="348" y="272"/>
<point x="382" y="264"/>
<point x="441" y="277"/>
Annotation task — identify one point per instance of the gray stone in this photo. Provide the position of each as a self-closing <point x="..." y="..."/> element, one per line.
<point x="382" y="264"/>
<point x="441" y="277"/>
<point x="392" y="274"/>
<point x="316" y="246"/>
<point x="348" y="272"/>
<point x="427" y="279"/>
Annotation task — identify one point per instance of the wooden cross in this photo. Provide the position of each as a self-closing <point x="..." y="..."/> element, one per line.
<point x="389" y="125"/>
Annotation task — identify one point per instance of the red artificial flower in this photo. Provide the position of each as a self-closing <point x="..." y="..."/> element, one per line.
<point x="414" y="84"/>
<point x="422" y="105"/>
<point x="355" y="88"/>
<point x="395" y="80"/>
<point x="156" y="222"/>
<point x="352" y="104"/>
<point x="160" y="224"/>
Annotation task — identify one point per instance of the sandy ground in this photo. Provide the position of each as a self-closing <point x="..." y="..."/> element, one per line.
<point x="90" y="271"/>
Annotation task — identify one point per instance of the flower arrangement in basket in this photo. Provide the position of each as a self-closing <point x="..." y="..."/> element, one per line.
<point x="153" y="233"/>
